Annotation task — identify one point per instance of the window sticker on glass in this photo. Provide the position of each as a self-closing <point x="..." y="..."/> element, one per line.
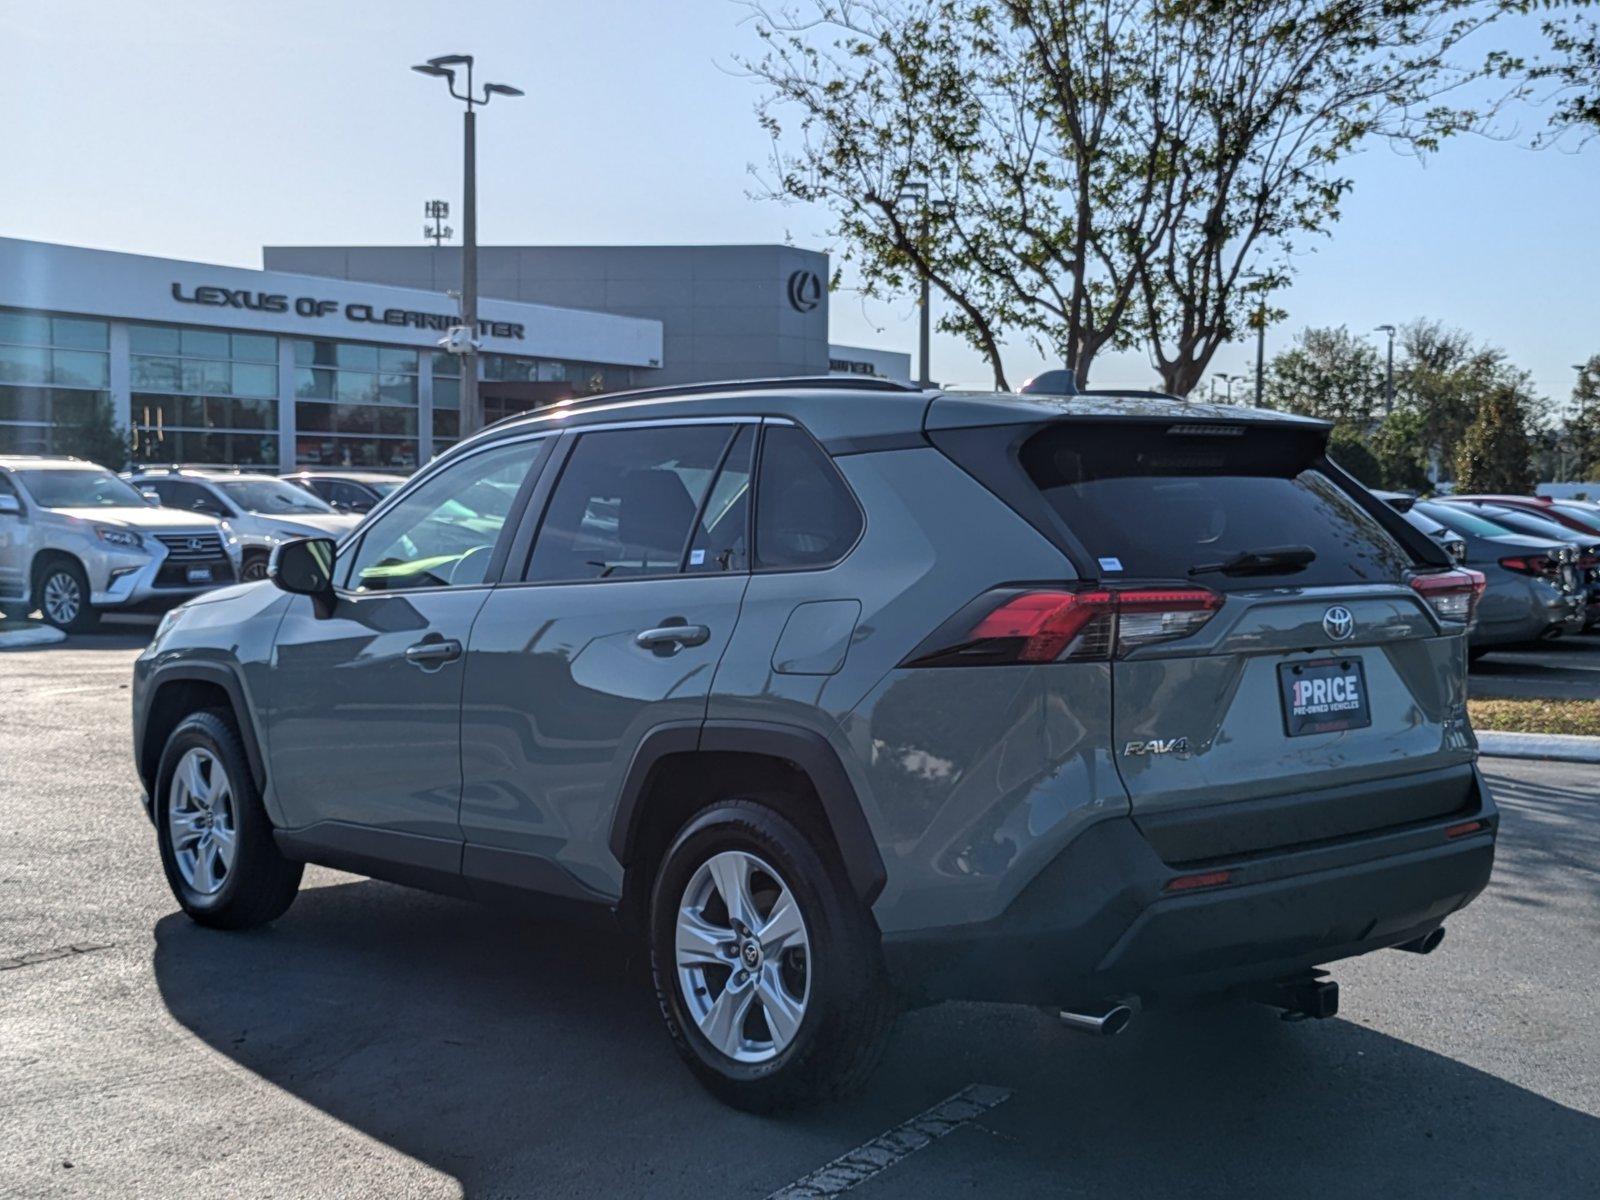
<point x="697" y="557"/>
<point x="1111" y="564"/>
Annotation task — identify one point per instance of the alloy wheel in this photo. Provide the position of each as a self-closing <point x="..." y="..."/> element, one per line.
<point x="63" y="598"/>
<point x="743" y="956"/>
<point x="201" y="821"/>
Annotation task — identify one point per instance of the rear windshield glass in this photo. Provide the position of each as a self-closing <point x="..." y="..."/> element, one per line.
<point x="1153" y="503"/>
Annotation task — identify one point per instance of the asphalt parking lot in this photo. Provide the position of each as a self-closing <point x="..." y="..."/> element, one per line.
<point x="1565" y="669"/>
<point x="380" y="1042"/>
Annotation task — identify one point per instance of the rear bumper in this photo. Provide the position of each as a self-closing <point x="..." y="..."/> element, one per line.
<point x="1098" y="923"/>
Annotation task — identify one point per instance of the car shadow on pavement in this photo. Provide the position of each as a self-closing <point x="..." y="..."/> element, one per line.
<point x="527" y="1059"/>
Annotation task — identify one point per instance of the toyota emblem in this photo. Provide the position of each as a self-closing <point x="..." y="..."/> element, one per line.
<point x="1338" y="623"/>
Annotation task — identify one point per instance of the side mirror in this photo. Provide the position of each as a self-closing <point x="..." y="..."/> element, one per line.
<point x="151" y="497"/>
<point x="304" y="566"/>
<point x="10" y="506"/>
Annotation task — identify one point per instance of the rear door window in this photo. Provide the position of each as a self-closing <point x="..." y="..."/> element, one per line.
<point x="1149" y="502"/>
<point x="627" y="502"/>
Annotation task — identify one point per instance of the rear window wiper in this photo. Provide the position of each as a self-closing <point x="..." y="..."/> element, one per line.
<point x="1273" y="560"/>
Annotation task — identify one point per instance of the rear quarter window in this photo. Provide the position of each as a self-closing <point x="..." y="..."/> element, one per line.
<point x="1151" y="504"/>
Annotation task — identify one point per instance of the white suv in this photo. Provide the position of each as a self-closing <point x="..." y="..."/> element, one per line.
<point x="257" y="511"/>
<point x="75" y="540"/>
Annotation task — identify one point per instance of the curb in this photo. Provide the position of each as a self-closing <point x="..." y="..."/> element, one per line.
<point x="23" y="636"/>
<point x="1556" y="747"/>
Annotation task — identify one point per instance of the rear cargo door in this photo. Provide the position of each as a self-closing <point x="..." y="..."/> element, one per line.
<point x="1323" y="697"/>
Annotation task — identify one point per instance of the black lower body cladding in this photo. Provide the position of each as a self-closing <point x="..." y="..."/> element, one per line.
<point x="1099" y="923"/>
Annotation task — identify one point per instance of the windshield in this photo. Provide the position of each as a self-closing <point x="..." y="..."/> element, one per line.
<point x="1149" y="504"/>
<point x="80" y="489"/>
<point x="1458" y="518"/>
<point x="272" y="496"/>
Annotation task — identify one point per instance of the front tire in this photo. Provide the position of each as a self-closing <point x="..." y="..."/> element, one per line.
<point x="253" y="568"/>
<point x="768" y="969"/>
<point x="215" y="838"/>
<point x="62" y="589"/>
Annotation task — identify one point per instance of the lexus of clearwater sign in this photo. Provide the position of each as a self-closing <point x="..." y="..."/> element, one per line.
<point x="311" y="307"/>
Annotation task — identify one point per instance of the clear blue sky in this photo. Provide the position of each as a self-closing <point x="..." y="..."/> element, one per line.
<point x="204" y="130"/>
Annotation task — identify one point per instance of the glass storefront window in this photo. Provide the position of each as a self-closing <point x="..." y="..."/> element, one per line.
<point x="34" y="419"/>
<point x="254" y="379"/>
<point x="356" y="387"/>
<point x="24" y="364"/>
<point x="203" y="343"/>
<point x="252" y="347"/>
<point x="446" y="364"/>
<point x="355" y="357"/>
<point x="397" y="360"/>
<point x="29" y="329"/>
<point x="446" y="393"/>
<point x="79" y="332"/>
<point x="79" y="368"/>
<point x="153" y="339"/>
<point x="398" y="389"/>
<point x="206" y="375"/>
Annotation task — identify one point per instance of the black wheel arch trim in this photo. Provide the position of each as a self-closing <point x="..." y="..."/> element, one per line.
<point x="202" y="672"/>
<point x="807" y="749"/>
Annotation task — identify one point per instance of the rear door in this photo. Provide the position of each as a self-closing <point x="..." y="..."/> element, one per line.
<point x="611" y="627"/>
<point x="1276" y="678"/>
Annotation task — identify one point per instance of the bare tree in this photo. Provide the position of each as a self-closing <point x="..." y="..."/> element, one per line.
<point x="1100" y="174"/>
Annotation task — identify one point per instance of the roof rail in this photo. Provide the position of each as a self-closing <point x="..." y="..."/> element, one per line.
<point x="842" y="383"/>
<point x="170" y="468"/>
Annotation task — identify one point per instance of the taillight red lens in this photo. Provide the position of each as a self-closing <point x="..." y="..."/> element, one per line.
<point x="1045" y="622"/>
<point x="1453" y="595"/>
<point x="1530" y="564"/>
<point x="1038" y="625"/>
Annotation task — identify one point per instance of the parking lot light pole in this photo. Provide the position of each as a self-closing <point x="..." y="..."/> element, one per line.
<point x="442" y="68"/>
<point x="1388" y="379"/>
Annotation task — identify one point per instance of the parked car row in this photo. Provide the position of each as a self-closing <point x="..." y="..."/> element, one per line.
<point x="77" y="540"/>
<point x="1540" y="559"/>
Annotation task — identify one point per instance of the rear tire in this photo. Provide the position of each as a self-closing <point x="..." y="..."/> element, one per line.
<point x="215" y="838"/>
<point x="821" y="976"/>
<point x="62" y="591"/>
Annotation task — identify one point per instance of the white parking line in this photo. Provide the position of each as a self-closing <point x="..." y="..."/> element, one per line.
<point x="882" y="1152"/>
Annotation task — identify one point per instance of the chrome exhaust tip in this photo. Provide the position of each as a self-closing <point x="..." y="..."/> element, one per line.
<point x="1108" y="1024"/>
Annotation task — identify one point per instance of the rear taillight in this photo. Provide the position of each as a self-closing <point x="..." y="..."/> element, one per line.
<point x="1451" y="594"/>
<point x="1531" y="564"/>
<point x="1039" y="625"/>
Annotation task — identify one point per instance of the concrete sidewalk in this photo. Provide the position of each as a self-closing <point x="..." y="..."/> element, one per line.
<point x="1557" y="747"/>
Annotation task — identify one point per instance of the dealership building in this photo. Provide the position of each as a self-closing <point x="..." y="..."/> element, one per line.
<point x="330" y="356"/>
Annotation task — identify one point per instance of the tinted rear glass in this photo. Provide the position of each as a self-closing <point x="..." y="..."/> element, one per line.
<point x="1153" y="504"/>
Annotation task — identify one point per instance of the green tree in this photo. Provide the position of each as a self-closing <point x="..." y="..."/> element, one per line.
<point x="1445" y="377"/>
<point x="1348" y="447"/>
<point x="1402" y="454"/>
<point x="97" y="438"/>
<point x="1097" y="174"/>
<point x="1496" y="455"/>
<point x="1327" y="373"/>
<point x="1581" y="432"/>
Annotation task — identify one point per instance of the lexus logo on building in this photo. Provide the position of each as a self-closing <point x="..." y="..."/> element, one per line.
<point x="1338" y="623"/>
<point x="805" y="290"/>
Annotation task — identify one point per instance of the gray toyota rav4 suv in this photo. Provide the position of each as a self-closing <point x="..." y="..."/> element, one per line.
<point x="842" y="696"/>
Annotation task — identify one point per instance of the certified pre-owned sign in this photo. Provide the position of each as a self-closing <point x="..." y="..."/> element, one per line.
<point x="312" y="307"/>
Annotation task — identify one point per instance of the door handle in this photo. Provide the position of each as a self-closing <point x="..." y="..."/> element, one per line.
<point x="668" y="635"/>
<point x="433" y="652"/>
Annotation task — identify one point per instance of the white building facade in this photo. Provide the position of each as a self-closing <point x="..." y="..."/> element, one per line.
<point x="273" y="370"/>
